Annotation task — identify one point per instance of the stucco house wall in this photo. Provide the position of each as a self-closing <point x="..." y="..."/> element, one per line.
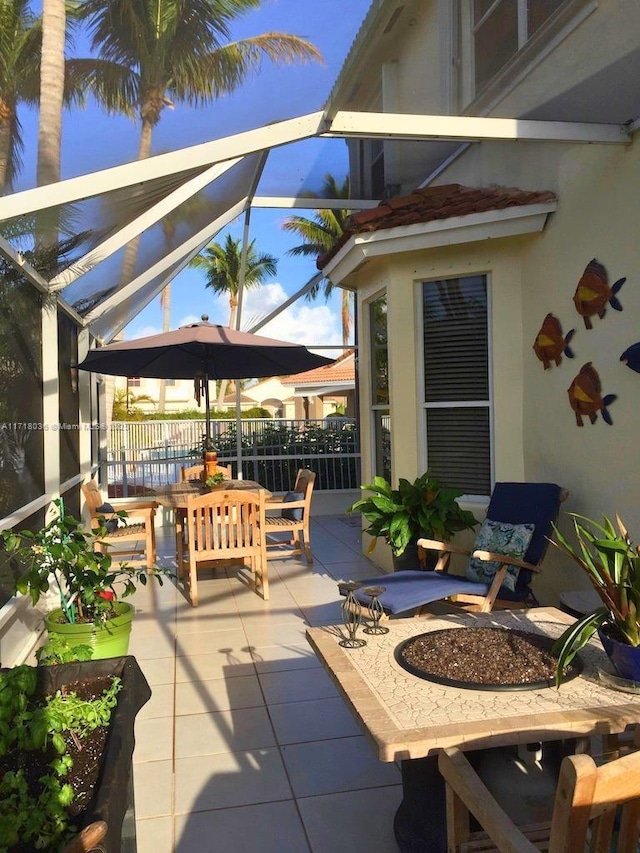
<point x="535" y="436"/>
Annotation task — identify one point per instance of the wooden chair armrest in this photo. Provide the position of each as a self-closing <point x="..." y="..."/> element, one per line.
<point x="132" y="506"/>
<point x="505" y="559"/>
<point x="286" y="505"/>
<point x="436" y="545"/>
<point x="462" y="779"/>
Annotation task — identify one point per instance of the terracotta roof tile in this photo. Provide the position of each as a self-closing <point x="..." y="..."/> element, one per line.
<point x="432" y="203"/>
<point x="341" y="370"/>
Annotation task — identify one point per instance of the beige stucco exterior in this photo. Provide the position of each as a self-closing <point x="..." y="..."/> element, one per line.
<point x="535" y="436"/>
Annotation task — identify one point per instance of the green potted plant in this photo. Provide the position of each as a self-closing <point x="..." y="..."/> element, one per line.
<point x="215" y="481"/>
<point x="64" y="555"/>
<point x="612" y="563"/>
<point x="401" y="516"/>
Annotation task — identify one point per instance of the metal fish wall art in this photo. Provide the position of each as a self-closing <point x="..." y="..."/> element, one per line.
<point x="631" y="357"/>
<point x="585" y="396"/>
<point x="593" y="293"/>
<point x="550" y="343"/>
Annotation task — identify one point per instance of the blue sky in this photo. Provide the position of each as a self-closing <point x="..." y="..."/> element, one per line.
<point x="92" y="140"/>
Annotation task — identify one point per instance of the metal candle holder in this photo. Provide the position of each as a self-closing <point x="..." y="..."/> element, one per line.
<point x="351" y="611"/>
<point x="376" y="610"/>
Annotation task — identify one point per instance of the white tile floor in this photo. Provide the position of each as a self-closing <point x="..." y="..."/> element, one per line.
<point x="246" y="746"/>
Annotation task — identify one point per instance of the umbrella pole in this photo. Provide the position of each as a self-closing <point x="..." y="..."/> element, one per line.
<point x="238" y="432"/>
<point x="207" y="410"/>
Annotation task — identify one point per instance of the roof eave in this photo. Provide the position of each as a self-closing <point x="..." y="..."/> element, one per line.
<point x="488" y="225"/>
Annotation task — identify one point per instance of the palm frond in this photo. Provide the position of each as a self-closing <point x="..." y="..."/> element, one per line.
<point x="115" y="87"/>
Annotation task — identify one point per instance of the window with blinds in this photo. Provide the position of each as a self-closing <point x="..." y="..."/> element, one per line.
<point x="380" y="386"/>
<point x="456" y="383"/>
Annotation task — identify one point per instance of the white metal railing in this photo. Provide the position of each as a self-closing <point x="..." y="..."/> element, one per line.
<point x="145" y="455"/>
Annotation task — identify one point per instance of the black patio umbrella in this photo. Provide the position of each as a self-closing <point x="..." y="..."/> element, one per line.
<point x="205" y="351"/>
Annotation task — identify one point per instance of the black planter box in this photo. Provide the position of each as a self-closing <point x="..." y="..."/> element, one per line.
<point x="113" y="796"/>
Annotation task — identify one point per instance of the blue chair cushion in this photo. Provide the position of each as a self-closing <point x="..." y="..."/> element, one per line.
<point x="501" y="538"/>
<point x="409" y="589"/>
<point x="294" y="514"/>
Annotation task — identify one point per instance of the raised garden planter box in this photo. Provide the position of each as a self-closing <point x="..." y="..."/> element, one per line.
<point x="112" y="800"/>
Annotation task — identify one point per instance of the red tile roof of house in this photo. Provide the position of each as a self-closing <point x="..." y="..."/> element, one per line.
<point x="341" y="370"/>
<point x="430" y="204"/>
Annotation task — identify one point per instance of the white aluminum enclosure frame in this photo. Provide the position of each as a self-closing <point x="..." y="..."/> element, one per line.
<point x="219" y="156"/>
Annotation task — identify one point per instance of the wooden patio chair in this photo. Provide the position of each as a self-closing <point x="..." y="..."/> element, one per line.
<point x="515" y="511"/>
<point x="585" y="809"/>
<point x="124" y="537"/>
<point x="221" y="527"/>
<point x="291" y="513"/>
<point x="194" y="472"/>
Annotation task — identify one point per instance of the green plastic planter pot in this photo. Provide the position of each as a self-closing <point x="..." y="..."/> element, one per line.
<point x="110" y="640"/>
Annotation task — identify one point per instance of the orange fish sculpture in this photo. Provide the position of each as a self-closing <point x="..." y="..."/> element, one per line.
<point x="585" y="396"/>
<point x="593" y="293"/>
<point x="550" y="343"/>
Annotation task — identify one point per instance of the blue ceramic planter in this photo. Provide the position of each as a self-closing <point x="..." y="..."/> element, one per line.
<point x="625" y="658"/>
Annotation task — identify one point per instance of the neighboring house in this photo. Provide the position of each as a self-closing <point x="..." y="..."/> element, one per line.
<point x="325" y="390"/>
<point x="314" y="394"/>
<point x="454" y="281"/>
<point x="179" y="393"/>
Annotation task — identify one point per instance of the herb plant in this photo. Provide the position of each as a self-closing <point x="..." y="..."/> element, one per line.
<point x="58" y="650"/>
<point x="38" y="814"/>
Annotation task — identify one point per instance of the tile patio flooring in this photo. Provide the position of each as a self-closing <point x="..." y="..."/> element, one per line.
<point x="245" y="745"/>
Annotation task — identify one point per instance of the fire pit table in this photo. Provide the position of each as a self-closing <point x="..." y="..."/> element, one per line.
<point x="409" y="719"/>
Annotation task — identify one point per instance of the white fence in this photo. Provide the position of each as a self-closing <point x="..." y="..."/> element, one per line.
<point x="146" y="454"/>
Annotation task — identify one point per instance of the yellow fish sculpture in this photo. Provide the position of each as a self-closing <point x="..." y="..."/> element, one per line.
<point x="593" y="293"/>
<point x="550" y="343"/>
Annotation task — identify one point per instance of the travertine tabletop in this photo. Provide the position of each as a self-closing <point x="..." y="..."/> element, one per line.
<point x="409" y="717"/>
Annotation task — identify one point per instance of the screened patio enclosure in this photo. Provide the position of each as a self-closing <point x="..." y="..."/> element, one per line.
<point x="168" y="207"/>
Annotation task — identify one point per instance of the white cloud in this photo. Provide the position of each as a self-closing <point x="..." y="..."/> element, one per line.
<point x="141" y="332"/>
<point x="303" y="322"/>
<point x="189" y="319"/>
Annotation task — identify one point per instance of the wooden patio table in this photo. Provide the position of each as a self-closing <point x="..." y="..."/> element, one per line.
<point x="409" y="719"/>
<point x="175" y="496"/>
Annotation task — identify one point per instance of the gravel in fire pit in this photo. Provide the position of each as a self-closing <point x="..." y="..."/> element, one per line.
<point x="482" y="658"/>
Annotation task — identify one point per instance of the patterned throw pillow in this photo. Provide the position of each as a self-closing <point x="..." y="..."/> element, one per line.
<point x="500" y="538"/>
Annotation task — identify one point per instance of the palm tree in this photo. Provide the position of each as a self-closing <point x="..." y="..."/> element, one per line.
<point x="318" y="235"/>
<point x="20" y="40"/>
<point x="52" y="70"/>
<point x="161" y="52"/>
<point x="61" y="81"/>
<point x="221" y="264"/>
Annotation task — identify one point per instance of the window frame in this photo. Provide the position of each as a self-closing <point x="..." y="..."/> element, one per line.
<point x="377" y="411"/>
<point x="459" y="45"/>
<point x="424" y="406"/>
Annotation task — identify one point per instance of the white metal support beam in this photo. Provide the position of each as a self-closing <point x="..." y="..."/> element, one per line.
<point x="17" y="260"/>
<point x="194" y="243"/>
<point x="403" y="126"/>
<point x="139" y="224"/>
<point x="245" y="235"/>
<point x="161" y="165"/>
<point x="313" y="203"/>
